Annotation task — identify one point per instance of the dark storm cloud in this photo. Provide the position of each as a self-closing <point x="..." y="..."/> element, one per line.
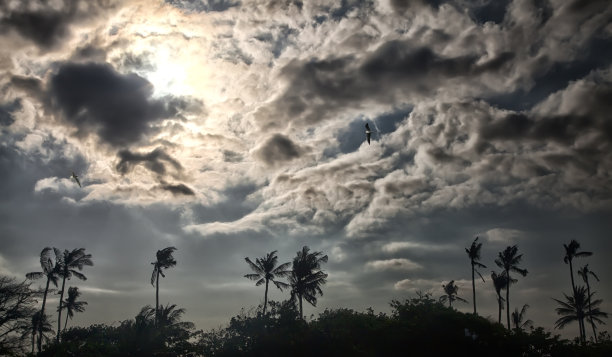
<point x="7" y="110"/>
<point x="203" y="5"/>
<point x="98" y="100"/>
<point x="393" y="69"/>
<point x="277" y="149"/>
<point x="46" y="26"/>
<point x="30" y="85"/>
<point x="157" y="161"/>
<point x="178" y="189"/>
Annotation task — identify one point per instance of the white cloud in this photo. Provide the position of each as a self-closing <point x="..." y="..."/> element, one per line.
<point x="504" y="235"/>
<point x="393" y="264"/>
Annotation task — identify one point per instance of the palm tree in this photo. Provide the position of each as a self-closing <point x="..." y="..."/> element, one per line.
<point x="70" y="262"/>
<point x="164" y="260"/>
<point x="499" y="283"/>
<point x="584" y="272"/>
<point x="571" y="252"/>
<point x="36" y="326"/>
<point x="72" y="305"/>
<point x="474" y="255"/>
<point x="509" y="260"/>
<point x="266" y="270"/>
<point x="51" y="271"/>
<point x="170" y="317"/>
<point x="517" y="319"/>
<point x="450" y="293"/>
<point x="306" y="277"/>
<point x="576" y="308"/>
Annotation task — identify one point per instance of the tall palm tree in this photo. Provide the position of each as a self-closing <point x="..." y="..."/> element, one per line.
<point x="306" y="277"/>
<point x="70" y="262"/>
<point x="71" y="305"/>
<point x="517" y="319"/>
<point x="499" y="283"/>
<point x="51" y="271"/>
<point x="576" y="308"/>
<point x="164" y="260"/>
<point x="266" y="270"/>
<point x="571" y="252"/>
<point x="450" y="294"/>
<point x="509" y="260"/>
<point x="584" y="272"/>
<point x="474" y="255"/>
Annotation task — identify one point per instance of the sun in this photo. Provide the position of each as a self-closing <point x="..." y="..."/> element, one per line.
<point x="168" y="76"/>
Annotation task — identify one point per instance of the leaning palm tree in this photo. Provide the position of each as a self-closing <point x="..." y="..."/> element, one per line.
<point x="306" y="277"/>
<point x="51" y="272"/>
<point x="517" y="319"/>
<point x="70" y="263"/>
<point x="266" y="270"/>
<point x="584" y="272"/>
<point x="450" y="294"/>
<point x="474" y="255"/>
<point x="509" y="260"/>
<point x="499" y="283"/>
<point x="71" y="305"/>
<point x="571" y="252"/>
<point x="576" y="308"/>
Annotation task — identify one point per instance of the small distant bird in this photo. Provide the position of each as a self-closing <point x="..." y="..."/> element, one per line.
<point x="76" y="178"/>
<point x="368" y="133"/>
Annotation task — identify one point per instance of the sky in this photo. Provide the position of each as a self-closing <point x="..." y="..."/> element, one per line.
<point x="230" y="129"/>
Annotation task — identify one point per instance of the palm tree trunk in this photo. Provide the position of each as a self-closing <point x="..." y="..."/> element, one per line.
<point x="590" y="312"/>
<point x="508" y="299"/>
<point x="301" y="311"/>
<point x="66" y="323"/>
<point x="473" y="288"/>
<point x="266" y="297"/>
<point x="499" y="306"/>
<point x="59" y="313"/>
<point x="33" y="339"/>
<point x="450" y="302"/>
<point x="42" y="314"/>
<point x="572" y="275"/>
<point x="156" y="297"/>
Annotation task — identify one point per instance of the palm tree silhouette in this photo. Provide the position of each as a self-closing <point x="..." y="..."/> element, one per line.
<point x="266" y="270"/>
<point x="499" y="283"/>
<point x="306" y="277"/>
<point x="576" y="308"/>
<point x="474" y="255"/>
<point x="571" y="252"/>
<point x="51" y="271"/>
<point x="70" y="262"/>
<point x="584" y="272"/>
<point x="164" y="260"/>
<point x="38" y="325"/>
<point x="450" y="294"/>
<point x="71" y="305"/>
<point x="517" y="319"/>
<point x="509" y="260"/>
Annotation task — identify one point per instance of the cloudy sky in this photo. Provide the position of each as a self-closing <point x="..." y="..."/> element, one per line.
<point x="233" y="128"/>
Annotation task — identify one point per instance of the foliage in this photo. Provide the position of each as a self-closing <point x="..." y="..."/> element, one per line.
<point x="17" y="305"/>
<point x="307" y="277"/>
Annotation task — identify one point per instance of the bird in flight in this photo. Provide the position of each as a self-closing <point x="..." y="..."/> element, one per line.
<point x="368" y="133"/>
<point x="76" y="178"/>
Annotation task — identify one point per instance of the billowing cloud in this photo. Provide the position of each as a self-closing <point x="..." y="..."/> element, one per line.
<point x="393" y="264"/>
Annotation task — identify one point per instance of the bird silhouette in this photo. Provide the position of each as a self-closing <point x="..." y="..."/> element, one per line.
<point x="76" y="178"/>
<point x="368" y="133"/>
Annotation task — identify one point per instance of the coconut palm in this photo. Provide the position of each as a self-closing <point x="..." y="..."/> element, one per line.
<point x="51" y="268"/>
<point x="517" y="319"/>
<point x="509" y="260"/>
<point x="450" y="294"/>
<point x="306" y="277"/>
<point x="70" y="262"/>
<point x="571" y="252"/>
<point x="584" y="272"/>
<point x="266" y="270"/>
<point x="474" y="255"/>
<point x="499" y="283"/>
<point x="576" y="308"/>
<point x="71" y="305"/>
<point x="164" y="260"/>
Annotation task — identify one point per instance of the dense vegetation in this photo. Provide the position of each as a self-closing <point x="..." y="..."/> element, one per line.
<point x="421" y="326"/>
